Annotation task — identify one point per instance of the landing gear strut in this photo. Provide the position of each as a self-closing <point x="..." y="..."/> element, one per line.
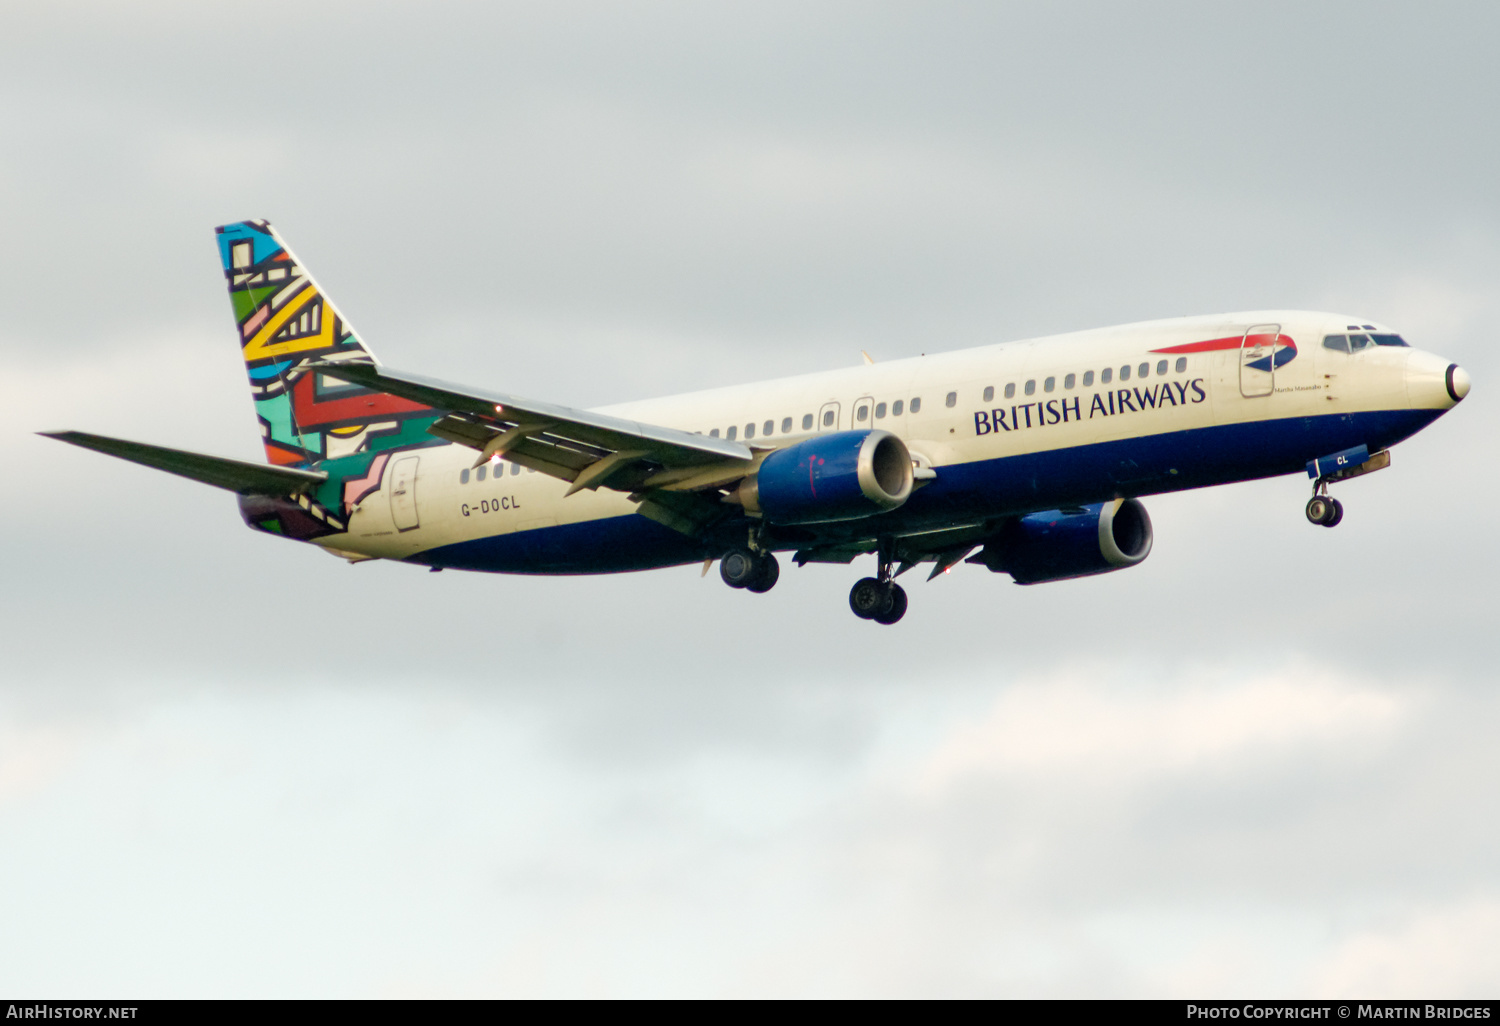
<point x="1322" y="509"/>
<point x="879" y="598"/>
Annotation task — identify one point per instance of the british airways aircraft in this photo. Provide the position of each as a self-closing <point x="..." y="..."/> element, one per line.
<point x="1027" y="458"/>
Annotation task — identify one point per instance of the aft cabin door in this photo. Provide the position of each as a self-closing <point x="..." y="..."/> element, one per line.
<point x="828" y="417"/>
<point x="1258" y="360"/>
<point x="404" y="492"/>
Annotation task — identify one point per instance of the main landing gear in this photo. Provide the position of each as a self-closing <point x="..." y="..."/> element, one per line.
<point x="753" y="571"/>
<point x="1323" y="509"/>
<point x="879" y="598"/>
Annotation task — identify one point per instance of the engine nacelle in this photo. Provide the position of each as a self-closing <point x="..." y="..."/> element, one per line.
<point x="840" y="476"/>
<point x="1057" y="545"/>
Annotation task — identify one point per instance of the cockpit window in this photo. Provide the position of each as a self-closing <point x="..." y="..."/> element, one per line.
<point x="1354" y="343"/>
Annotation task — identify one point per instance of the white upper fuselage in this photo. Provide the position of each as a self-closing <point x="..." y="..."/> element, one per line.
<point x="971" y="406"/>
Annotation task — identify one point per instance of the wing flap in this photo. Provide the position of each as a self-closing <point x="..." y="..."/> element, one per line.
<point x="234" y="475"/>
<point x="683" y="512"/>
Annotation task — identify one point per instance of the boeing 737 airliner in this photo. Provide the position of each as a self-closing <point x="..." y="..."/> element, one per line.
<point x="1027" y="458"/>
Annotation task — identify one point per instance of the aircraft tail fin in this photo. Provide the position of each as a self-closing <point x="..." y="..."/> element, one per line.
<point x="286" y="323"/>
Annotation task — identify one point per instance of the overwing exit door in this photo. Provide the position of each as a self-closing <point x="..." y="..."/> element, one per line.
<point x="864" y="416"/>
<point x="1258" y="360"/>
<point x="828" y="417"/>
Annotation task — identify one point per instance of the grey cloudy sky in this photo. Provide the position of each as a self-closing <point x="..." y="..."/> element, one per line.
<point x="1261" y="763"/>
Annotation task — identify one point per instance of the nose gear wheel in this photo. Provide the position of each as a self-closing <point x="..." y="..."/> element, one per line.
<point x="1324" y="510"/>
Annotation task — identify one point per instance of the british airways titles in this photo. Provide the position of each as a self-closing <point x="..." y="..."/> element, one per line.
<point x="1044" y="413"/>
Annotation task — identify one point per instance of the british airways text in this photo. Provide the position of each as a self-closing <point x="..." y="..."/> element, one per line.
<point x="1102" y="404"/>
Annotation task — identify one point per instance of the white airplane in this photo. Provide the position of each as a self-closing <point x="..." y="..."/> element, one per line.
<point x="1027" y="458"/>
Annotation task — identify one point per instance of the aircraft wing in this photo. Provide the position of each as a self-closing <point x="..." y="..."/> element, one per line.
<point x="589" y="449"/>
<point x="658" y="466"/>
<point x="219" y="471"/>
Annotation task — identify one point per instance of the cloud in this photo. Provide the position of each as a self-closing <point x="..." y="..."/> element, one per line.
<point x="1435" y="951"/>
<point x="31" y="759"/>
<point x="1085" y="726"/>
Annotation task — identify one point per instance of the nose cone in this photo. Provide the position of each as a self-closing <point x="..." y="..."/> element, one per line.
<point x="1457" y="380"/>
<point x="1434" y="382"/>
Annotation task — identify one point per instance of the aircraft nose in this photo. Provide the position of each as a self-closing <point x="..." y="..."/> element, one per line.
<point x="1457" y="380"/>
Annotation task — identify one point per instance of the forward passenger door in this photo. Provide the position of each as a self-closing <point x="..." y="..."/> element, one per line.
<point x="1258" y="360"/>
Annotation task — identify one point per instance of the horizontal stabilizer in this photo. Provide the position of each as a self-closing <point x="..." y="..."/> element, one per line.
<point x="235" y="475"/>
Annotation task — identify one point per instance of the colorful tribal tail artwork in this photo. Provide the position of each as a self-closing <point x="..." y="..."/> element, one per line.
<point x="286" y="322"/>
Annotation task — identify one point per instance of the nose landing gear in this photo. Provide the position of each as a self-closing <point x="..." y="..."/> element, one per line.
<point x="1341" y="466"/>
<point x="879" y="598"/>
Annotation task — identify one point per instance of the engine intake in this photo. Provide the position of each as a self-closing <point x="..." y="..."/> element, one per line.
<point x="840" y="476"/>
<point x="1058" y="545"/>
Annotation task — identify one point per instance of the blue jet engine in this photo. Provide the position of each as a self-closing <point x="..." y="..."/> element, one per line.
<point x="1078" y="542"/>
<point x="840" y="476"/>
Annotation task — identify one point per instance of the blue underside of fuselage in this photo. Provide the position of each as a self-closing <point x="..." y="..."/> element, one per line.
<point x="965" y="492"/>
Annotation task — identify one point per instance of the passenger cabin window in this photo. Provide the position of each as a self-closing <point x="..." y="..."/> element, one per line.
<point x="713" y="433"/>
<point x="1106" y="375"/>
<point x="828" y="418"/>
<point x="916" y="404"/>
<point x="861" y="412"/>
<point x="1125" y="373"/>
<point x="768" y="428"/>
<point x="1031" y="387"/>
<point x="479" y="474"/>
<point x="880" y="411"/>
<point x="989" y="393"/>
<point x="515" y="468"/>
<point x="1010" y="390"/>
<point x="786" y="425"/>
<point x="1144" y="370"/>
<point x="1088" y="378"/>
<point x="807" y="422"/>
<point x="463" y="476"/>
<point x="1181" y="364"/>
<point x="1049" y="384"/>
<point x="731" y="434"/>
<point x="1161" y="366"/>
<point x="896" y="408"/>
<point x="1069" y="380"/>
<point x="749" y="430"/>
<point x="952" y="399"/>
